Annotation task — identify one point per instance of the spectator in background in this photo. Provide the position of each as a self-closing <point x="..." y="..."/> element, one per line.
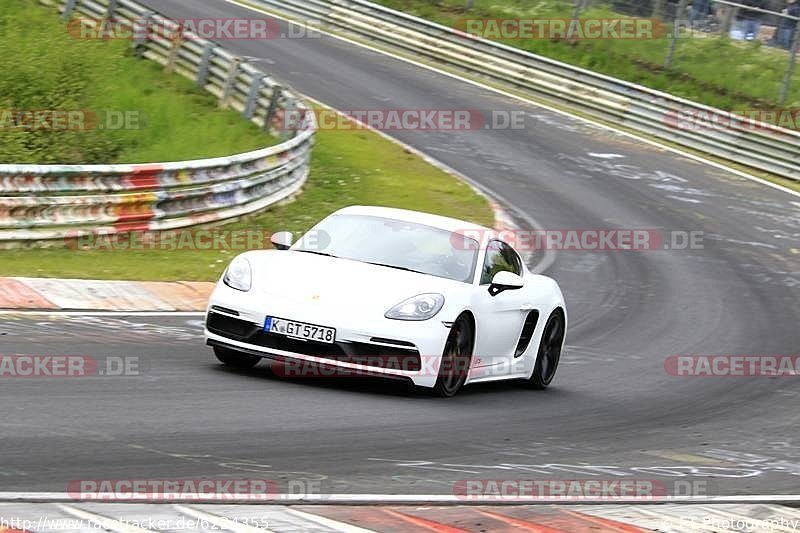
<point x="751" y="20"/>
<point x="699" y="12"/>
<point x="787" y="27"/>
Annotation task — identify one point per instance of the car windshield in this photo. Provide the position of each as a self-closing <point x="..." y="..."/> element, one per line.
<point x="394" y="243"/>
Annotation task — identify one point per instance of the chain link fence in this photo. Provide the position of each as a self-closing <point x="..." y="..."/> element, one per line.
<point x="696" y="28"/>
<point x="729" y="54"/>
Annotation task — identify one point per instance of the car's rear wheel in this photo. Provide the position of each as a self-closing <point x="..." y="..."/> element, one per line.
<point x="456" y="358"/>
<point x="549" y="351"/>
<point x="235" y="359"/>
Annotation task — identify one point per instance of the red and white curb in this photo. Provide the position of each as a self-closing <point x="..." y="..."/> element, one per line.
<point x="84" y="517"/>
<point x="46" y="294"/>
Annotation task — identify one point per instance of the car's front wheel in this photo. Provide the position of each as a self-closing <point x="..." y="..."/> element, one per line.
<point x="455" y="359"/>
<point x="235" y="359"/>
<point x="549" y="351"/>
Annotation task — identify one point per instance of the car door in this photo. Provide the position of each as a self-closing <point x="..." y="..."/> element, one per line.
<point x="499" y="317"/>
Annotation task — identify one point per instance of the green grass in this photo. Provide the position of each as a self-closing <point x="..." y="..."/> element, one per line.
<point x="45" y="68"/>
<point x="727" y="74"/>
<point x="350" y="167"/>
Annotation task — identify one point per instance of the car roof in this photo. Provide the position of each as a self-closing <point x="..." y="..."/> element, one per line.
<point x="406" y="215"/>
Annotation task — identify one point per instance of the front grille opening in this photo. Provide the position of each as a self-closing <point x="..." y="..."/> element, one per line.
<point x="404" y="357"/>
<point x="230" y="327"/>
<point x="225" y="310"/>
<point x="392" y="341"/>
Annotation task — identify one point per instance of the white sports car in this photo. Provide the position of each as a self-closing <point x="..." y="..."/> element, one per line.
<point x="394" y="293"/>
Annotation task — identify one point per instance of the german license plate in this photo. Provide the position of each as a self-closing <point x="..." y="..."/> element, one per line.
<point x="299" y="330"/>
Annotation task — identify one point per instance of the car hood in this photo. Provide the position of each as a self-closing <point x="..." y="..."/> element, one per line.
<point x="314" y="282"/>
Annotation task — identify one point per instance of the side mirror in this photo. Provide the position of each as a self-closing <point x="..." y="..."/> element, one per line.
<point x="505" y="281"/>
<point x="281" y="240"/>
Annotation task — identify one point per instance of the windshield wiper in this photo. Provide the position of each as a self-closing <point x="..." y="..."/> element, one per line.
<point x="326" y="254"/>
<point x="397" y="267"/>
<point x="368" y="262"/>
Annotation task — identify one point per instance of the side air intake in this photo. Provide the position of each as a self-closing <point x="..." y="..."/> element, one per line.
<point x="527" y="332"/>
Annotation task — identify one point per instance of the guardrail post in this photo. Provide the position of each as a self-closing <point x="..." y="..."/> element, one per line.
<point x="230" y="80"/>
<point x="202" y="69"/>
<point x="250" y="106"/>
<point x="576" y="13"/>
<point x="787" y="77"/>
<point x="277" y="90"/>
<point x="112" y="8"/>
<point x="676" y="31"/>
<point x="658" y="9"/>
<point x="69" y="7"/>
<point x="142" y="35"/>
<point x="175" y="46"/>
<point x="727" y="20"/>
<point x="289" y="109"/>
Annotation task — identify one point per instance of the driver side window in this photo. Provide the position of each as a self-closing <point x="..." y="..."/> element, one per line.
<point x="499" y="257"/>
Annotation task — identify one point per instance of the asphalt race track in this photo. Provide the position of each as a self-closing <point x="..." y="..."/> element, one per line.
<point x="614" y="412"/>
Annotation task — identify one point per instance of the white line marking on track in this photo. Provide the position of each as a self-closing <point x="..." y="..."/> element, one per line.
<point x="670" y="149"/>
<point x="32" y="497"/>
<point x="102" y="521"/>
<point x="327" y="522"/>
<point x="219" y="521"/>
<point x="788" y="511"/>
<point x="517" y="524"/>
<point x="605" y="156"/>
<point x="604" y="526"/>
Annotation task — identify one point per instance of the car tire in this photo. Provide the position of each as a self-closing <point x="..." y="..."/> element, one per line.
<point x="456" y="358"/>
<point x="549" y="352"/>
<point x="235" y="359"/>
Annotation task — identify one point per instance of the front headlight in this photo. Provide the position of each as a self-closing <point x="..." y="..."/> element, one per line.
<point x="420" y="307"/>
<point x="238" y="275"/>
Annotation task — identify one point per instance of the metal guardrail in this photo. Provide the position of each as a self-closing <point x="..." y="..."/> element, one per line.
<point x="767" y="148"/>
<point x="41" y="202"/>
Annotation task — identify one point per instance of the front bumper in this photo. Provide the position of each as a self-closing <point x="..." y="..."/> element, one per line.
<point x="382" y="347"/>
